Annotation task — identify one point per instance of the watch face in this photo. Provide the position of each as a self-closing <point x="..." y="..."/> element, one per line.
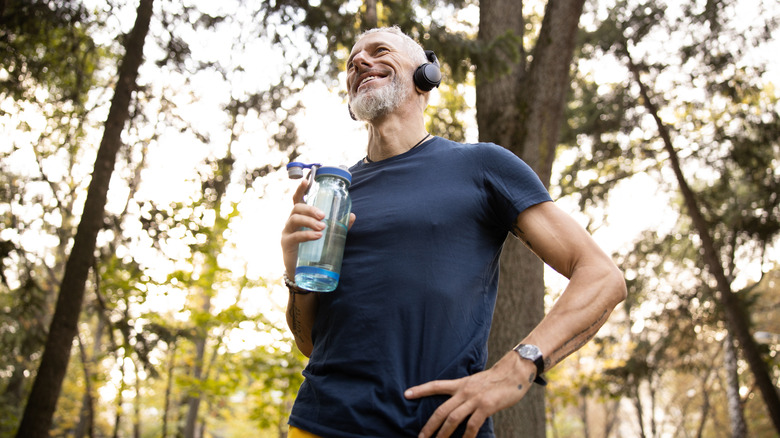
<point x="529" y="351"/>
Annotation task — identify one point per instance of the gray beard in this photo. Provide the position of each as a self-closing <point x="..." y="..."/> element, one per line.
<point x="378" y="102"/>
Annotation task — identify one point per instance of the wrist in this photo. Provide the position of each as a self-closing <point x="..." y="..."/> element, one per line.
<point x="532" y="354"/>
<point x="294" y="288"/>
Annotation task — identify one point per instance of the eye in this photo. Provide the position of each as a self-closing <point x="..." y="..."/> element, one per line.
<point x="380" y="50"/>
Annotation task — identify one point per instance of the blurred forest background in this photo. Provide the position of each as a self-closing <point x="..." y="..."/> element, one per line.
<point x="142" y="195"/>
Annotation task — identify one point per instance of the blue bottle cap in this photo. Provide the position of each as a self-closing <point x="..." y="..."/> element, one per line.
<point x="335" y="171"/>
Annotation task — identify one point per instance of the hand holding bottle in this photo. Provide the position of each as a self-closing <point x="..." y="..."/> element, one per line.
<point x="320" y="262"/>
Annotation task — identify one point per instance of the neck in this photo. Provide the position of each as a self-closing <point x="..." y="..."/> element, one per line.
<point x="393" y="135"/>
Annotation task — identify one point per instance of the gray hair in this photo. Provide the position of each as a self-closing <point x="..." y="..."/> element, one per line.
<point x="410" y="46"/>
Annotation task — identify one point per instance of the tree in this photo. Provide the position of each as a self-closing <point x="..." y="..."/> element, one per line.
<point x="42" y="401"/>
<point x="522" y="110"/>
<point x="735" y="315"/>
<point x="49" y="63"/>
<point x="121" y="280"/>
<point x="731" y="111"/>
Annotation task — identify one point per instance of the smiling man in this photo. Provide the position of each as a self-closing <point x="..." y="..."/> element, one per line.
<point x="400" y="347"/>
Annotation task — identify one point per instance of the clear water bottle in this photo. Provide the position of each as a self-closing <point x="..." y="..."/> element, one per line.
<point x="319" y="261"/>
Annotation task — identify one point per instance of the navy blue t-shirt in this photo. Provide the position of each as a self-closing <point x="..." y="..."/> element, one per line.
<point x="417" y="289"/>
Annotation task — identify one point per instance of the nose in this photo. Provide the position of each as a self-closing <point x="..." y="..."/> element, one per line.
<point x="360" y="62"/>
<point x="361" y="59"/>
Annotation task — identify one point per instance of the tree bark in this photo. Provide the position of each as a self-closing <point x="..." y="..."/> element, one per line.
<point x="370" y="19"/>
<point x="522" y="110"/>
<point x="87" y="413"/>
<point x="168" y="387"/>
<point x="39" y="411"/>
<point x="196" y="394"/>
<point x="730" y="304"/>
<point x="736" y="415"/>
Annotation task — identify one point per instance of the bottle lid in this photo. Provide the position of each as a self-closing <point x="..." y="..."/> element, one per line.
<point x="335" y="171"/>
<point x="295" y="170"/>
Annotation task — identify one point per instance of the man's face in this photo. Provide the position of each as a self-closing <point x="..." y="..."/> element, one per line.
<point x="379" y="75"/>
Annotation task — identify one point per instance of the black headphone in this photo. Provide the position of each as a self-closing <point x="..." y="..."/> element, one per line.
<point x="428" y="75"/>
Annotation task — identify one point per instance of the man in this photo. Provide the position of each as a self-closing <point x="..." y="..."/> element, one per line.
<point x="400" y="347"/>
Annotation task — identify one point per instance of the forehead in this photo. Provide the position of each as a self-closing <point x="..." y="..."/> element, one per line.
<point x="377" y="38"/>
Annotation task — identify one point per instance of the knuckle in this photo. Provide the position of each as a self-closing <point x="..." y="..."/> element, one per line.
<point x="474" y="423"/>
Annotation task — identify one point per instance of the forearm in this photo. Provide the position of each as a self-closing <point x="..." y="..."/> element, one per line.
<point x="301" y="311"/>
<point x="579" y="313"/>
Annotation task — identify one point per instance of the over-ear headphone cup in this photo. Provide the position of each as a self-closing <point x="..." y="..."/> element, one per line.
<point x="427" y="76"/>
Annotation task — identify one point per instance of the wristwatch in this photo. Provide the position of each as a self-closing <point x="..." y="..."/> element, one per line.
<point x="534" y="354"/>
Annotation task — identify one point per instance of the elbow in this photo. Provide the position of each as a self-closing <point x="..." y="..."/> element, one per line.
<point x="306" y="349"/>
<point x="618" y="289"/>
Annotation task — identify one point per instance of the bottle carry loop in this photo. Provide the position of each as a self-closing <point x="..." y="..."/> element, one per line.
<point x="295" y="171"/>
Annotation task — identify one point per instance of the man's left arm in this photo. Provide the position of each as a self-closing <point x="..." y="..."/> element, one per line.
<point x="595" y="287"/>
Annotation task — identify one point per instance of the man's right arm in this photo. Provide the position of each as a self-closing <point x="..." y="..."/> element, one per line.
<point x="301" y="308"/>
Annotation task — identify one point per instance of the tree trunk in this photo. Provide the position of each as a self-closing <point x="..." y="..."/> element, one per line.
<point x="736" y="415"/>
<point x="87" y="413"/>
<point x="168" y="387"/>
<point x="730" y="305"/>
<point x="636" y="392"/>
<point x="584" y="414"/>
<point x="522" y="110"/>
<point x="196" y="394"/>
<point x="370" y="20"/>
<point x="705" y="408"/>
<point x="39" y="411"/>
<point x="120" y="399"/>
<point x="137" y="405"/>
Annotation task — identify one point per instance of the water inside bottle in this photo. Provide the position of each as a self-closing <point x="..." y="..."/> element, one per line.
<point x="319" y="261"/>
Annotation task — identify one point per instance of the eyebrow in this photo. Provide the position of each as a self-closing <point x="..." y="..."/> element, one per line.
<point x="368" y="46"/>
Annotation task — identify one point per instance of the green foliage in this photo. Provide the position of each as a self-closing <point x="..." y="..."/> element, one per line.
<point x="127" y="335"/>
<point x="46" y="43"/>
<point x="724" y="120"/>
<point x="666" y="340"/>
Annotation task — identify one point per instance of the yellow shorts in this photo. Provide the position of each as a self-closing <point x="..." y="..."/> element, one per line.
<point x="298" y="433"/>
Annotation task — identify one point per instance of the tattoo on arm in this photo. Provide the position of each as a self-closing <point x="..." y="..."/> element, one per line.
<point x="520" y="234"/>
<point x="531" y="378"/>
<point x="575" y="343"/>
<point x="295" y="315"/>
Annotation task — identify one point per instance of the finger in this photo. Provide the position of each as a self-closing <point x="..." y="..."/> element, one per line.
<point x="434" y="387"/>
<point x="292" y="240"/>
<point x="438" y="418"/>
<point x="300" y="191"/>
<point x="475" y="423"/>
<point x="456" y="416"/>
<point x="352" y="218"/>
<point x="304" y="216"/>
